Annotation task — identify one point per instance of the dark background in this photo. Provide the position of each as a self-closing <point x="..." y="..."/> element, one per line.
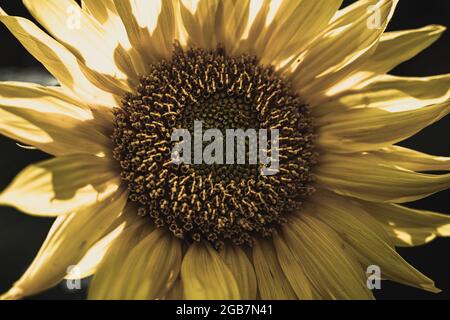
<point x="22" y="235"/>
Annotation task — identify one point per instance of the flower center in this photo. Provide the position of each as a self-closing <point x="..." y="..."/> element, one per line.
<point x="216" y="202"/>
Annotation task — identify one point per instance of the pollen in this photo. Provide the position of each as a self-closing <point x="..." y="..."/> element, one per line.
<point x="218" y="203"/>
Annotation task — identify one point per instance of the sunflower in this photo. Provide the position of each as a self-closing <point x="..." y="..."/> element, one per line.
<point x="131" y="72"/>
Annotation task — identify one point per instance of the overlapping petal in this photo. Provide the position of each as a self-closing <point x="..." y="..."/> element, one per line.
<point x="407" y="226"/>
<point x="333" y="272"/>
<point x="110" y="269"/>
<point x="158" y="257"/>
<point x="151" y="27"/>
<point x="238" y="263"/>
<point x="62" y="185"/>
<point x="292" y="264"/>
<point x="231" y="21"/>
<point x="49" y="119"/>
<point x="362" y="177"/>
<point x="126" y="59"/>
<point x="369" y="129"/>
<point x="390" y="93"/>
<point x="78" y="31"/>
<point x="396" y="156"/>
<point x="293" y="26"/>
<point x="368" y="239"/>
<point x="70" y="238"/>
<point x="341" y="48"/>
<point x="199" y="20"/>
<point x="206" y="276"/>
<point x="394" y="48"/>
<point x="59" y="61"/>
<point x="272" y="283"/>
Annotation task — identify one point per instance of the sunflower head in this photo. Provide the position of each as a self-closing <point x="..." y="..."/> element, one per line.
<point x="221" y="201"/>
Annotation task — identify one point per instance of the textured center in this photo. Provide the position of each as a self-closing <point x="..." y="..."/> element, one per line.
<point x="214" y="202"/>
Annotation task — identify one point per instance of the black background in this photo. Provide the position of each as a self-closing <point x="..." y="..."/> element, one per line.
<point x="21" y="235"/>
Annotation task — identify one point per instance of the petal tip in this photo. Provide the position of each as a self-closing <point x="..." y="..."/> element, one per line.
<point x="15" y="293"/>
<point x="437" y="29"/>
<point x="431" y="288"/>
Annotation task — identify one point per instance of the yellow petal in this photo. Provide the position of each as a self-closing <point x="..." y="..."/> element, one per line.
<point x="62" y="185"/>
<point x="88" y="264"/>
<point x="332" y="270"/>
<point x="231" y="21"/>
<point x="368" y="239"/>
<point x="70" y="238"/>
<point x="410" y="159"/>
<point x="105" y="13"/>
<point x="259" y="11"/>
<point x="100" y="10"/>
<point x="129" y="218"/>
<point x="292" y="264"/>
<point x="358" y="175"/>
<point x="62" y="64"/>
<point x="399" y="46"/>
<point x="294" y="25"/>
<point x="150" y="269"/>
<point x="151" y="28"/>
<point x="78" y="31"/>
<point x="110" y="269"/>
<point x="372" y="128"/>
<point x="242" y="269"/>
<point x="272" y="283"/>
<point x="206" y="276"/>
<point x="394" y="48"/>
<point x="108" y="83"/>
<point x="48" y="119"/>
<point x="391" y="93"/>
<point x="176" y="292"/>
<point x="409" y="227"/>
<point x="341" y="48"/>
<point x="199" y="19"/>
